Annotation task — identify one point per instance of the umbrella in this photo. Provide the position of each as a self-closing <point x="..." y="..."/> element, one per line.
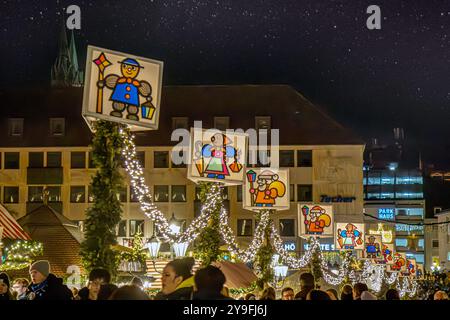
<point x="238" y="275"/>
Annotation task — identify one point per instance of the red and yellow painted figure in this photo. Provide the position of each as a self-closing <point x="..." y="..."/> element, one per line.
<point x="269" y="188"/>
<point x="316" y="219"/>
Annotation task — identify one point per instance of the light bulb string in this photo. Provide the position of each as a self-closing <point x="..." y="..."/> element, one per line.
<point x="142" y="191"/>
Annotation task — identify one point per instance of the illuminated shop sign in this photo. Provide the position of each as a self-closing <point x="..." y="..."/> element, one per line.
<point x="325" y="198"/>
<point x="386" y="214"/>
<point x="399" y="227"/>
<point x="290" y="246"/>
<point x="323" y="246"/>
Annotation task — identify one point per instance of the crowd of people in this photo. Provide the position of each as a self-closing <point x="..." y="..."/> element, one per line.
<point x="178" y="283"/>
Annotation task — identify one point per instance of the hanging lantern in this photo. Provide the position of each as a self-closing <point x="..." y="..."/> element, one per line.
<point x="153" y="246"/>
<point x="180" y="249"/>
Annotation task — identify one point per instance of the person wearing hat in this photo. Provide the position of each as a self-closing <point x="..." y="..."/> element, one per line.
<point x="126" y="89"/>
<point x="5" y="293"/>
<point x="45" y="285"/>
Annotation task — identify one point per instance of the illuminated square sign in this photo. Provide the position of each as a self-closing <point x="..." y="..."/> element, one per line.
<point x="386" y="214"/>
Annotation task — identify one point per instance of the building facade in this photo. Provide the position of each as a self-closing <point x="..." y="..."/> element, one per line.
<point x="51" y="149"/>
<point x="393" y="193"/>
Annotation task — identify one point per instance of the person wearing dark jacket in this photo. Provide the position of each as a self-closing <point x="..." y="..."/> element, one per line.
<point x="209" y="282"/>
<point x="45" y="285"/>
<point x="307" y="284"/>
<point x="177" y="280"/>
<point x="97" y="278"/>
<point x="5" y="293"/>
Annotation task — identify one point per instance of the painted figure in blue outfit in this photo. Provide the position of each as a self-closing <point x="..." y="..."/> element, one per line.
<point x="218" y="152"/>
<point x="126" y="89"/>
<point x="350" y="237"/>
<point x="372" y="248"/>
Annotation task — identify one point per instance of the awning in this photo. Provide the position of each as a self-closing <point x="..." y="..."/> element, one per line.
<point x="11" y="229"/>
<point x="238" y="275"/>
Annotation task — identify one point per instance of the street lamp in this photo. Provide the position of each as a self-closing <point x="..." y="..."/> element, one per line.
<point x="153" y="245"/>
<point x="174" y="225"/>
<point x="180" y="249"/>
<point x="280" y="273"/>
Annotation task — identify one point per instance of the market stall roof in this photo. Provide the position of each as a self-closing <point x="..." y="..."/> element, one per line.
<point x="60" y="237"/>
<point x="11" y="229"/>
<point x="238" y="275"/>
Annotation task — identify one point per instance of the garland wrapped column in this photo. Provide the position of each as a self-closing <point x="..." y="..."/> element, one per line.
<point x="263" y="257"/>
<point x="208" y="242"/>
<point x="104" y="215"/>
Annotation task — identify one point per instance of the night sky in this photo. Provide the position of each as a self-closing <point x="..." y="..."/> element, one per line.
<point x="369" y="80"/>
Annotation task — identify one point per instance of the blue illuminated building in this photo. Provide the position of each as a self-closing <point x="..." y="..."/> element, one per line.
<point x="393" y="192"/>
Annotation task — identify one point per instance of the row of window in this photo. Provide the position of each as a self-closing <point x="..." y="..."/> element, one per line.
<point x="78" y="159"/>
<point x="400" y="177"/>
<point x="245" y="227"/>
<point x="161" y="193"/>
<point x="57" y="127"/>
<point x="392" y="195"/>
<point x="222" y="123"/>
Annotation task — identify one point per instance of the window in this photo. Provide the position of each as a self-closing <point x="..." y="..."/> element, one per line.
<point x="374" y="177"/>
<point x="387" y="177"/>
<point x="161" y="159"/>
<point x="90" y="161"/>
<point x="35" y="193"/>
<point x="448" y="256"/>
<point x="180" y="123"/>
<point x="122" y="194"/>
<point x="57" y="126"/>
<point x="140" y="155"/>
<point x="222" y="123"/>
<point x="435" y="243"/>
<point x="304" y="158"/>
<point x="77" y="194"/>
<point x="161" y="194"/>
<point x="225" y="193"/>
<point x="263" y="159"/>
<point x="197" y="193"/>
<point x="90" y="195"/>
<point x="292" y="192"/>
<point x="287" y="227"/>
<point x="122" y="228"/>
<point x="15" y="127"/>
<point x="304" y="192"/>
<point x="178" y="194"/>
<point x="133" y="195"/>
<point x="135" y="226"/>
<point x="78" y="160"/>
<point x="286" y="158"/>
<point x="36" y="159"/>
<point x="239" y="193"/>
<point x="181" y="156"/>
<point x="53" y="159"/>
<point x="437" y="209"/>
<point x="401" y="242"/>
<point x="244" y="227"/>
<point x="12" y="160"/>
<point x="11" y="194"/>
<point x="262" y="123"/>
<point x="54" y="194"/>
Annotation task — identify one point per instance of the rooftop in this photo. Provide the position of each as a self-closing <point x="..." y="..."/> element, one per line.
<point x="300" y="122"/>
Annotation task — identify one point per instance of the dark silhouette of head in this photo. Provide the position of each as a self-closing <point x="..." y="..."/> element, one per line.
<point x="210" y="279"/>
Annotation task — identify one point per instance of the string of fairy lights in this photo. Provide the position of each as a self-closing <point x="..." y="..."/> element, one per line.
<point x="372" y="274"/>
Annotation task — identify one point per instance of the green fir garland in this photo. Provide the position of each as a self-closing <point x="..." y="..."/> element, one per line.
<point x="104" y="215"/>
<point x="207" y="248"/>
<point x="263" y="258"/>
